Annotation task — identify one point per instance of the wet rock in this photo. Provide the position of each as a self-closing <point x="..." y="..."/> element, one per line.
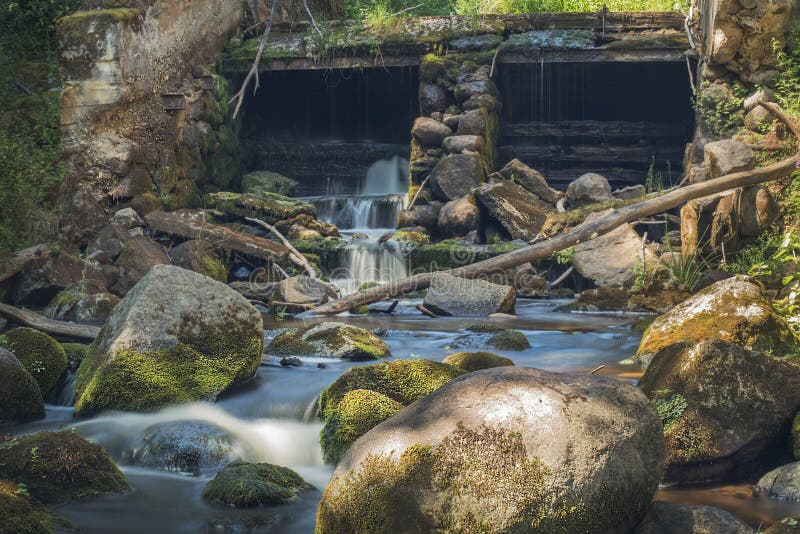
<point x="365" y="396"/>
<point x="590" y="188"/>
<point x="22" y="514"/>
<point x="426" y="216"/>
<point x="632" y="192"/>
<point x="291" y="361"/>
<point x="459" y="217"/>
<point x="432" y="98"/>
<point x="269" y="207"/>
<point x="520" y="212"/>
<point x="139" y="256"/>
<point x="456" y="144"/>
<point x="245" y="485"/>
<point x="491" y="335"/>
<point x="474" y="122"/>
<point x="41" y="355"/>
<point x="200" y="257"/>
<point x="727" y="157"/>
<point x="781" y="483"/>
<point x="530" y="179"/>
<point x="330" y="340"/>
<point x="185" y="446"/>
<point x="175" y="337"/>
<point x="671" y="518"/>
<point x="455" y="175"/>
<point x="67" y="467"/>
<point x="127" y="218"/>
<point x="451" y="295"/>
<point x="20" y="396"/>
<point x="428" y="132"/>
<point x="721" y="405"/>
<point x="734" y="310"/>
<point x="257" y="183"/>
<point x="477" y="361"/>
<point x="76" y="304"/>
<point x="454" y="459"/>
<point x="299" y="292"/>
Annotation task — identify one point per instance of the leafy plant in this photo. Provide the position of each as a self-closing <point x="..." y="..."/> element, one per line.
<point x="642" y="275"/>
<point x="685" y="267"/>
<point x="787" y="84"/>
<point x="670" y="407"/>
<point x="720" y="110"/>
<point x="565" y="257"/>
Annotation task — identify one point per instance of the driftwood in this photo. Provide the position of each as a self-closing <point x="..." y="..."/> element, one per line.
<point x="581" y="233"/>
<point x="51" y="326"/>
<point x="227" y="239"/>
<point x="21" y="259"/>
<point x="294" y="255"/>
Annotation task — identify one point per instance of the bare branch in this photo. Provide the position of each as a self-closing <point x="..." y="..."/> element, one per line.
<point x="253" y="72"/>
<point x="294" y="255"/>
<point x="311" y="16"/>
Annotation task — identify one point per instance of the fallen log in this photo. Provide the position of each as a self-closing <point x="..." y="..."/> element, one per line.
<point x="21" y="259"/>
<point x="227" y="239"/>
<point x="51" y="326"/>
<point x="294" y="255"/>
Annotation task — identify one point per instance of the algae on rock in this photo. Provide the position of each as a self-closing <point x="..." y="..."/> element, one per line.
<point x="246" y="485"/>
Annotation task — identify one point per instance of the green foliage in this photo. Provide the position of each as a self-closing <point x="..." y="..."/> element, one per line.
<point x="787" y="85"/>
<point x="686" y="268"/>
<point x="670" y="407"/>
<point x="656" y="182"/>
<point x="721" y="110"/>
<point x="565" y="257"/>
<point x="643" y="276"/>
<point x="757" y="256"/>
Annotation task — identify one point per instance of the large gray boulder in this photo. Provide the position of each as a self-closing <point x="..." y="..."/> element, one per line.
<point x="459" y="217"/>
<point x="728" y="156"/>
<point x="452" y="295"/>
<point x="429" y="132"/>
<point x="503" y="450"/>
<point x="20" y="396"/>
<point x="589" y="188"/>
<point x="177" y="336"/>
<point x="722" y="406"/>
<point x="455" y="175"/>
<point x="672" y="518"/>
<point x="530" y="179"/>
<point x="782" y="483"/>
<point x="518" y="210"/>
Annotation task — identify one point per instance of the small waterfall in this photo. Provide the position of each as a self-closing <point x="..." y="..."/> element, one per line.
<point x="368" y="260"/>
<point x="359" y="213"/>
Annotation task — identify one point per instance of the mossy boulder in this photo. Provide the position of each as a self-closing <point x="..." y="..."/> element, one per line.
<point x="479" y="455"/>
<point x="410" y="236"/>
<point x="177" y="336"/>
<point x="22" y="514"/>
<point x="497" y="337"/>
<point x="20" y="396"/>
<point x="509" y="340"/>
<point x="269" y="207"/>
<point x="202" y="258"/>
<point x="722" y="406"/>
<point x="186" y="446"/>
<point x="41" y="355"/>
<point x="59" y="467"/>
<point x="246" y="485"/>
<point x="259" y="182"/>
<point x="330" y="340"/>
<point x="75" y="352"/>
<point x="477" y="361"/>
<point x="734" y="310"/>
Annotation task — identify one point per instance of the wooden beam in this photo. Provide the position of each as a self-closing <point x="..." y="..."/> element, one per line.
<point x="51" y="326"/>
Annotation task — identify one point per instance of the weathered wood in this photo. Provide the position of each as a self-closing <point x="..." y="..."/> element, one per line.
<point x="227" y="239"/>
<point x="618" y="132"/>
<point x="51" y="326"/>
<point x="21" y="259"/>
<point x="294" y="255"/>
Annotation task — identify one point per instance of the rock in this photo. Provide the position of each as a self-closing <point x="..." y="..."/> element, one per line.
<point x="108" y="244"/>
<point x="710" y="277"/>
<point x="22" y="514"/>
<point x="503" y="450"/>
<point x="177" y="336"/>
<point x="721" y="405"/>
<point x="725" y="41"/>
<point x="66" y="467"/>
<point x="787" y="525"/>
<point x="712" y="221"/>
<point x="671" y="518"/>
<point x="476" y="361"/>
<point x="185" y="446"/>
<point x="758" y="119"/>
<point x="432" y="98"/>
<point x="609" y="260"/>
<point x="200" y="257"/>
<point x="520" y="212"/>
<point x="41" y="355"/>
<point x="763" y="94"/>
<point x="74" y="304"/>
<point x="127" y="218"/>
<point x="491" y="335"/>
<point x="734" y="310"/>
<point x="254" y="290"/>
<point x="603" y="298"/>
<point x="257" y="183"/>
<point x="374" y="393"/>
<point x="42" y="279"/>
<point x="589" y="188"/>
<point x="75" y="352"/>
<point x="456" y="144"/>
<point x="474" y="122"/>
<point x="330" y="340"/>
<point x="781" y="483"/>
<point x="728" y="156"/>
<point x="245" y="485"/>
<point x="459" y="217"/>
<point x="451" y="121"/>
<point x="301" y="291"/>
<point x="632" y="192"/>
<point x="527" y="282"/>
<point x="429" y="132"/>
<point x="451" y="295"/>
<point x="139" y="256"/>
<point x="20" y="396"/>
<point x="455" y="175"/>
<point x="308" y="222"/>
<point x="269" y="207"/>
<point x="426" y="216"/>
<point x="530" y="179"/>
<point x="757" y="211"/>
<point x="473" y="88"/>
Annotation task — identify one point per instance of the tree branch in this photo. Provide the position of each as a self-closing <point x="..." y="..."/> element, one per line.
<point x="294" y="255"/>
<point x="253" y="72"/>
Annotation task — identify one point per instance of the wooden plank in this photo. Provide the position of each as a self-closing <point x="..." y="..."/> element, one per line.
<point x="51" y="326"/>
<point x="229" y="240"/>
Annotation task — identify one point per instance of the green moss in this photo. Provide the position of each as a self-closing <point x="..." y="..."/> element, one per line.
<point x="22" y="514"/>
<point x="410" y="237"/>
<point x="20" y="396"/>
<point x="361" y="310"/>
<point x="41" y="355"/>
<point x="357" y="412"/>
<point x="476" y="361"/>
<point x="433" y="69"/>
<point x="670" y="407"/>
<point x="367" y="285"/>
<point x="60" y="466"/>
<point x="213" y="267"/>
<point x="334" y="340"/>
<point x="270" y="207"/>
<point x="245" y="485"/>
<point x="145" y="203"/>
<point x="509" y="340"/>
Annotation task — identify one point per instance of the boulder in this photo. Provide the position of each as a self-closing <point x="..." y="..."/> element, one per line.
<point x="127" y="218"/>
<point x="519" y="211"/>
<point x="503" y="450"/>
<point x="245" y="485"/>
<point x="530" y="179"/>
<point x="22" y="514"/>
<point x="432" y="98"/>
<point x="459" y="217"/>
<point x="298" y="293"/>
<point x="781" y="483"/>
<point x="671" y="518"/>
<point x="429" y="132"/>
<point x="474" y="122"/>
<point x="259" y="182"/>
<point x="712" y="222"/>
<point x="41" y="355"/>
<point x="177" y="336"/>
<point x="329" y="340"/>
<point x="721" y="405"/>
<point x="758" y="119"/>
<point x="75" y="304"/>
<point x="66" y="467"/>
<point x="728" y="156"/>
<point x="200" y="257"/>
<point x="456" y="144"/>
<point x="109" y="243"/>
<point x="309" y="222"/>
<point x="589" y="188"/>
<point x="476" y="361"/>
<point x="734" y="310"/>
<point x="763" y="94"/>
<point x="20" y="396"/>
<point x="490" y="335"/>
<point x="451" y="295"/>
<point x="269" y="207"/>
<point x="426" y="215"/>
<point x="757" y="211"/>
<point x="42" y="279"/>
<point x="632" y="192"/>
<point x="185" y="446"/>
<point x="139" y="256"/>
<point x="527" y="281"/>
<point x="725" y="41"/>
<point x="455" y="175"/>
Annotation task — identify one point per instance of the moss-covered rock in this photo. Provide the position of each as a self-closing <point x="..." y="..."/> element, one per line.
<point x="269" y="207"/>
<point x="22" y="514"/>
<point x="20" y="396"/>
<point x="477" y="361"/>
<point x="75" y="352"/>
<point x="259" y="182"/>
<point x="60" y="466"/>
<point x="357" y="412"/>
<point x="245" y="485"/>
<point x="202" y="258"/>
<point x="509" y="340"/>
<point x="410" y="236"/>
<point x="491" y="335"/>
<point x="41" y="355"/>
<point x="330" y="340"/>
